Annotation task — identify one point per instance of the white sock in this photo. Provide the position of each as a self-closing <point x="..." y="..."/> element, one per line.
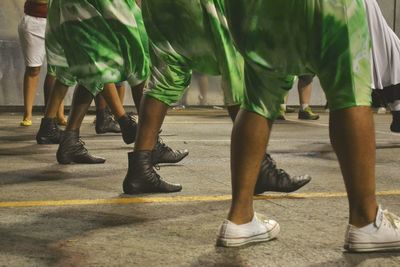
<point x="304" y="106"/>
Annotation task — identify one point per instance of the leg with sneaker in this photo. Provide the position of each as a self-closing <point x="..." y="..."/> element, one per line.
<point x="352" y="137"/>
<point x="349" y="96"/>
<point x="72" y="149"/>
<point x="304" y="87"/>
<point x="243" y="226"/>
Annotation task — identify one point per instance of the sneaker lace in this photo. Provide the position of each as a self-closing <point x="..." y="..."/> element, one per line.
<point x="392" y="218"/>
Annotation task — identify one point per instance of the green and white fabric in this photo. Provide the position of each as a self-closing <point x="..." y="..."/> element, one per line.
<point x="190" y="35"/>
<point x="280" y="39"/>
<point x="97" y="42"/>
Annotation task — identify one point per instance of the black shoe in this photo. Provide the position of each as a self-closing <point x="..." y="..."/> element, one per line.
<point x="105" y="122"/>
<point x="142" y="178"/>
<point x="277" y="180"/>
<point x="72" y="149"/>
<point x="395" y="126"/>
<point x="128" y="127"/>
<point x="48" y="133"/>
<point x="307" y="114"/>
<point x="164" y="154"/>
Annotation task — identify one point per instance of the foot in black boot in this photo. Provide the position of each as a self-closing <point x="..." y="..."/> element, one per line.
<point x="395" y="126"/>
<point x="273" y="179"/>
<point x="49" y="133"/>
<point x="142" y="178"/>
<point x="164" y="154"/>
<point x="72" y="149"/>
<point x="105" y="122"/>
<point x="128" y="127"/>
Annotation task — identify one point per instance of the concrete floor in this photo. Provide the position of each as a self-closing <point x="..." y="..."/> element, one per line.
<point x="75" y="215"/>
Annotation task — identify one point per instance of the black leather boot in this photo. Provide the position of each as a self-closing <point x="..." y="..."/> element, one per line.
<point x="142" y="178"/>
<point x="105" y="122"/>
<point x="72" y="150"/>
<point x="273" y="179"/>
<point x="48" y="133"/>
<point x="128" y="127"/>
<point x="164" y="154"/>
<point x="395" y="126"/>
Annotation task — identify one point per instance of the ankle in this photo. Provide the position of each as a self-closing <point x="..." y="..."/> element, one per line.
<point x="304" y="106"/>
<point x="361" y="217"/>
<point x="240" y="215"/>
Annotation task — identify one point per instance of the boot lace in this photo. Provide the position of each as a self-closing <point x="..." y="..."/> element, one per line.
<point x="272" y="165"/>
<point x="162" y="146"/>
<point x="79" y="146"/>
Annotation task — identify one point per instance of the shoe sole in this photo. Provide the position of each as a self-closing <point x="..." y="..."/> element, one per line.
<point x="371" y="247"/>
<point x="67" y="162"/>
<point x="237" y="242"/>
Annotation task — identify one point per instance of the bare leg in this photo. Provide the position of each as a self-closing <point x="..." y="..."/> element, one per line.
<point x="101" y="103"/>
<point x="203" y="89"/>
<point x="305" y="89"/>
<point x="353" y="139"/>
<point x="246" y="157"/>
<point x="137" y="94"/>
<point x="49" y="85"/>
<point x="80" y="105"/>
<point x="151" y="116"/>
<point x="111" y="96"/>
<point x="31" y="79"/>
<point x="56" y="98"/>
<point x="121" y="93"/>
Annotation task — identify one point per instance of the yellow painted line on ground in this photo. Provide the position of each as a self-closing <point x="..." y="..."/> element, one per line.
<point x="174" y="199"/>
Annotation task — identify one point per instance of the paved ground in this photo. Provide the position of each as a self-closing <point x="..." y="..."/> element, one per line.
<point x="75" y="215"/>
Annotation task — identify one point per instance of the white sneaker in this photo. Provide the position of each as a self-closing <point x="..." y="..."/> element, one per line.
<point x="383" y="234"/>
<point x="233" y="235"/>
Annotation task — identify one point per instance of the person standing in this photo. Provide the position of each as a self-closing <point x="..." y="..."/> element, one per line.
<point x="31" y="32"/>
<point x="333" y="43"/>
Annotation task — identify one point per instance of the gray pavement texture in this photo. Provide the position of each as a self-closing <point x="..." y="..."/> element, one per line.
<point x="179" y="233"/>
